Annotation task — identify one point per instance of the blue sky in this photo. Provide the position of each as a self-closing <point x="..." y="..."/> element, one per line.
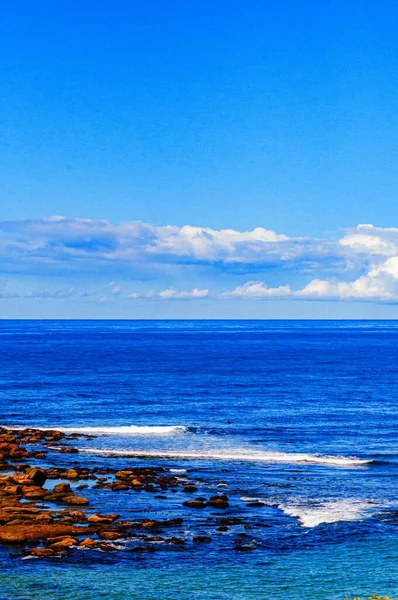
<point x="208" y="159"/>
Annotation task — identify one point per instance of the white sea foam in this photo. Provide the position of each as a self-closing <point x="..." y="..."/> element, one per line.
<point x="244" y="456"/>
<point x="329" y="512"/>
<point x="126" y="430"/>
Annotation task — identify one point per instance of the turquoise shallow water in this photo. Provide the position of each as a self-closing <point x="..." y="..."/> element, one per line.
<point x="326" y="573"/>
<point x="301" y="415"/>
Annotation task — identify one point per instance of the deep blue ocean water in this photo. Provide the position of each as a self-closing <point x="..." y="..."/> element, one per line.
<point x="301" y="415"/>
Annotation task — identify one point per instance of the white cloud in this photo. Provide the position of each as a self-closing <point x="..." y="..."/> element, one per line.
<point x="257" y="290"/>
<point x="86" y="243"/>
<point x="368" y="239"/>
<point x="171" y="294"/>
<point x="361" y="265"/>
<point x="380" y="283"/>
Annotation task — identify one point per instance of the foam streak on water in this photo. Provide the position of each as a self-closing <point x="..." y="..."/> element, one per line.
<point x="245" y="456"/>
<point x="126" y="430"/>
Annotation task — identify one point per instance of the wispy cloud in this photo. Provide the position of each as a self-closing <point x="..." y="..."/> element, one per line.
<point x="361" y="264"/>
<point x="257" y="290"/>
<point x="94" y="244"/>
<point x="171" y="294"/>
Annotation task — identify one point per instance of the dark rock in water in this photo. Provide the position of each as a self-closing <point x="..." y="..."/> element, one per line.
<point x="218" y="501"/>
<point x="231" y="521"/>
<point x="176" y="540"/>
<point x="68" y="450"/>
<point x="38" y="476"/>
<point x="198" y="503"/>
<point x="199" y="539"/>
<point x="223" y="528"/>
<point x="243" y="547"/>
<point x="142" y="549"/>
<point x="255" y="503"/>
<point x="189" y="489"/>
<point x="123" y="474"/>
<point x="118" y="486"/>
<point x="106" y="547"/>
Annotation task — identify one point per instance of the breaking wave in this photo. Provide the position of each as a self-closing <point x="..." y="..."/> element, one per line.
<point x="126" y="430"/>
<point x="329" y="512"/>
<point x="245" y="456"/>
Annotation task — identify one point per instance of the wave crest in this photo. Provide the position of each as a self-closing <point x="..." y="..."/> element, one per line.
<point x="329" y="512"/>
<point x="124" y="430"/>
<point x="246" y="456"/>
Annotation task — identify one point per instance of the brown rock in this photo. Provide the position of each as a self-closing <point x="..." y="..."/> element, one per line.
<point x="64" y="543"/>
<point x="62" y="488"/>
<point x="71" y="474"/>
<point x="38" y="476"/>
<point x="110" y="535"/>
<point x="42" y="552"/>
<point x="99" y="519"/>
<point x="75" y="500"/>
<point x="106" y="547"/>
<point x="77" y="516"/>
<point x="123" y="474"/>
<point x="118" y="486"/>
<point x="194" y="503"/>
<point x="34" y="493"/>
<point x="218" y="501"/>
<point x="88" y="543"/>
<point x="24" y="533"/>
<point x="13" y="490"/>
<point x="199" y="539"/>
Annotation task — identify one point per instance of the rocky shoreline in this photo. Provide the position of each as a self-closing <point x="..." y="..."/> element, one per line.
<point x="47" y="521"/>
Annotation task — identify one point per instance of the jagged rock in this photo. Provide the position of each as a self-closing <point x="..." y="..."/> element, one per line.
<point x="38" y="476"/>
<point x="13" y="490"/>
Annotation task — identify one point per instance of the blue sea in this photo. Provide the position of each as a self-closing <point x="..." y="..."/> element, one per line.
<point x="298" y="415"/>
